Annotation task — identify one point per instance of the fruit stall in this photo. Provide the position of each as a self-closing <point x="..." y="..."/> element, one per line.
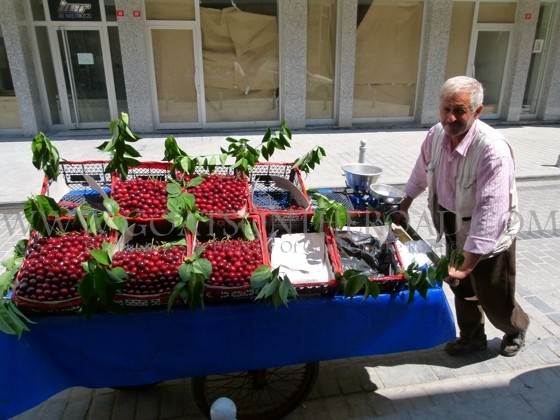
<point x="140" y="272"/>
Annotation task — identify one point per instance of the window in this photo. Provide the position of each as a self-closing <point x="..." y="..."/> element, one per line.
<point x="387" y="50"/>
<point x="240" y="58"/>
<point x="9" y="110"/>
<point x="321" y="53"/>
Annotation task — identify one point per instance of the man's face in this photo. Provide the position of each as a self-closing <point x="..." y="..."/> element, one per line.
<point x="456" y="115"/>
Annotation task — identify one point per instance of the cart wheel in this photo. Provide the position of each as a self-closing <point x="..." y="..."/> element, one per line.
<point x="258" y="394"/>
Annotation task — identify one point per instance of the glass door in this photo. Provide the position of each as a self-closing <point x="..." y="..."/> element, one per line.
<point x="489" y="66"/>
<point x="86" y="67"/>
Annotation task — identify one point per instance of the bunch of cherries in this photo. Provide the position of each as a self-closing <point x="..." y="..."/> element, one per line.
<point x="233" y="261"/>
<point x="151" y="270"/>
<point x="142" y="198"/>
<point x="53" y="266"/>
<point x="220" y="193"/>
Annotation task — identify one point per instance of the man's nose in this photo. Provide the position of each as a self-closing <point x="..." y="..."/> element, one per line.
<point x="450" y="117"/>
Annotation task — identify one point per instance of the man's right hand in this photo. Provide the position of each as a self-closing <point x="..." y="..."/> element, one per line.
<point x="400" y="217"/>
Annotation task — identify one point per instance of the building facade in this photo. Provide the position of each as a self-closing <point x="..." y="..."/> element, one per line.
<point x="186" y="64"/>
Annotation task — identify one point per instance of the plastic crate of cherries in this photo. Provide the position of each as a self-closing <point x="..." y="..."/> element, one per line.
<point x="233" y="256"/>
<point x="72" y="188"/>
<point x="52" y="269"/>
<point x="142" y="197"/>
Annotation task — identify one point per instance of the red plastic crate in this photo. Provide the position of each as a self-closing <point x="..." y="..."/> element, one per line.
<point x="162" y="171"/>
<point x="228" y="293"/>
<point x="79" y="192"/>
<point x="62" y="305"/>
<point x="265" y="197"/>
<point x="151" y="299"/>
<point x="300" y="222"/>
<point x="387" y="283"/>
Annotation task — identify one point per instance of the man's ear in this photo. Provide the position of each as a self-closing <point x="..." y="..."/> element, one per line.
<point x="478" y="111"/>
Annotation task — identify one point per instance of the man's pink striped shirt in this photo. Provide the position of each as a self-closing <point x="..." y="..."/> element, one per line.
<point x="494" y="177"/>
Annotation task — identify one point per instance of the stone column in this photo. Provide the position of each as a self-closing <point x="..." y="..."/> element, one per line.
<point x="346" y="60"/>
<point x="549" y="104"/>
<point x="132" y="34"/>
<point x="20" y="58"/>
<point x="431" y="72"/>
<point x="293" y="60"/>
<point x="519" y="59"/>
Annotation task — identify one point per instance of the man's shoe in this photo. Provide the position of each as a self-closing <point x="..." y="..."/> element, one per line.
<point x="512" y="344"/>
<point x="463" y="346"/>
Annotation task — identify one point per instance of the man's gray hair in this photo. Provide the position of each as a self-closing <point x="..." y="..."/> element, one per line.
<point x="461" y="83"/>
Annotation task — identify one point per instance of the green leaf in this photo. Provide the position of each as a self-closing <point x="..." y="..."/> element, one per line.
<point x="284" y="291"/>
<point x="185" y="272"/>
<point x="131" y="151"/>
<point x="173" y="189"/>
<point x="191" y="223"/>
<point x="100" y="286"/>
<point x="101" y="256"/>
<point x="203" y="267"/>
<point x="121" y="224"/>
<point x="118" y="275"/>
<point x="174" y="295"/>
<point x="260" y="276"/>
<point x="247" y="229"/>
<point x="109" y="221"/>
<point x="86" y="288"/>
<point x="111" y="206"/>
<point x="195" y="182"/>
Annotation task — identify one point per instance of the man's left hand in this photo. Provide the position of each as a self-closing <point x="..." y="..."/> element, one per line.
<point x="456" y="273"/>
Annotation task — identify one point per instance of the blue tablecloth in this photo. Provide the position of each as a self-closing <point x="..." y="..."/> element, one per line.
<point x="150" y="346"/>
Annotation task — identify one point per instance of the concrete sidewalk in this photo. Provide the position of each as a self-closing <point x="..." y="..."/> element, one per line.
<point x="537" y="150"/>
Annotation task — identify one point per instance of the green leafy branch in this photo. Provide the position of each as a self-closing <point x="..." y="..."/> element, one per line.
<point x="181" y="206"/>
<point x="45" y="156"/>
<point x="246" y="156"/>
<point x="328" y="212"/>
<point x="193" y="273"/>
<point x="421" y="279"/>
<point x="112" y="217"/>
<point x="42" y="212"/>
<point x="122" y="153"/>
<point x="308" y="161"/>
<point x="181" y="160"/>
<point x="353" y="281"/>
<point x="12" y="320"/>
<point x="101" y="282"/>
<point x="279" y="140"/>
<point x="272" y="287"/>
<point x="248" y="228"/>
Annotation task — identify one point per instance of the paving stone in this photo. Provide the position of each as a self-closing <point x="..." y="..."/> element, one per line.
<point x="124" y="407"/>
<point x="380" y="404"/>
<point x="76" y="409"/>
<point x="327" y="383"/>
<point x="101" y="405"/>
<point x="349" y="378"/>
<point x="52" y="410"/>
<point x="312" y="410"/>
<point x="148" y="403"/>
<point x="539" y="304"/>
<point x="338" y="407"/>
<point x="172" y="400"/>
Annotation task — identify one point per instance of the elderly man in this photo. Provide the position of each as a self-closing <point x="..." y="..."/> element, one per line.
<point x="468" y="168"/>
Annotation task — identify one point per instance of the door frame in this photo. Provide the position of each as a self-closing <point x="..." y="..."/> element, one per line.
<point x="61" y="81"/>
<point x="51" y="27"/>
<point x="490" y="27"/>
<point x="188" y="25"/>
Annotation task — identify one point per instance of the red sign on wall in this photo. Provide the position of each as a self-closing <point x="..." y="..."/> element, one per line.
<point x="136" y="13"/>
<point x="528" y="16"/>
<point x="120" y="13"/>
